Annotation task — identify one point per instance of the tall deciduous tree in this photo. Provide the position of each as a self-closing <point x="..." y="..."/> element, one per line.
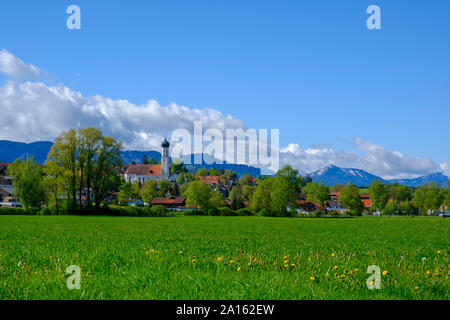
<point x="317" y="193"/>
<point x="198" y="194"/>
<point x="379" y="194"/>
<point x="351" y="199"/>
<point x="28" y="182"/>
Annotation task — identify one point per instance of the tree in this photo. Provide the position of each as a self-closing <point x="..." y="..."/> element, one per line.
<point x="128" y="190"/>
<point x="292" y="177"/>
<point x="54" y="184"/>
<point x="245" y="180"/>
<point x="28" y="182"/>
<point x="198" y="194"/>
<point x="202" y="172"/>
<point x="164" y="187"/>
<point x="64" y="154"/>
<point x="149" y="191"/>
<point x="262" y="197"/>
<point x="89" y="142"/>
<point x="105" y="169"/>
<point x="391" y="207"/>
<point x="228" y="173"/>
<point x="213" y="172"/>
<point x="447" y="195"/>
<point x="400" y="192"/>
<point x="351" y="199"/>
<point x="283" y="195"/>
<point x="217" y="200"/>
<point x="237" y="198"/>
<point x="428" y="197"/>
<point x="178" y="167"/>
<point x="317" y="193"/>
<point x="379" y="194"/>
<point x="181" y="179"/>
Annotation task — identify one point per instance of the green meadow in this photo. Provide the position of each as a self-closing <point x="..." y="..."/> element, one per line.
<point x="223" y="257"/>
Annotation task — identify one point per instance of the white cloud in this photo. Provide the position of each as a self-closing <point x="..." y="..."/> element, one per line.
<point x="15" y="67"/>
<point x="376" y="159"/>
<point x="32" y="111"/>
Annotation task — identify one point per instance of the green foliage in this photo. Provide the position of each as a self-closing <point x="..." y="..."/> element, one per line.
<point x="244" y="212"/>
<point x="392" y="208"/>
<point x="317" y="193"/>
<point x="28" y="182"/>
<point x="225" y="211"/>
<point x="178" y="167"/>
<point x="198" y="194"/>
<point x="262" y="197"/>
<point x="400" y="192"/>
<point x="379" y="194"/>
<point x="217" y="199"/>
<point x="429" y="197"/>
<point x="202" y="172"/>
<point x="351" y="199"/>
<point x="164" y="187"/>
<point x="246" y="180"/>
<point x="128" y="190"/>
<point x="149" y="191"/>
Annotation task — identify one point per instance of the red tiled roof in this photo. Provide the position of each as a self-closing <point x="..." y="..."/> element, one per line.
<point x="171" y="200"/>
<point x="3" y="165"/>
<point x="210" y="179"/>
<point x="144" y="169"/>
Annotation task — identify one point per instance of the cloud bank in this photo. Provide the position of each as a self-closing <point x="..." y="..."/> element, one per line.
<point x="33" y="111"/>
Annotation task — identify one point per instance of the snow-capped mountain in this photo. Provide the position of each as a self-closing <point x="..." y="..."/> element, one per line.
<point x="331" y="175"/>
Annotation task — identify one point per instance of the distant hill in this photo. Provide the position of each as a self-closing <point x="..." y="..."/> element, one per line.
<point x="10" y="151"/>
<point x="331" y="175"/>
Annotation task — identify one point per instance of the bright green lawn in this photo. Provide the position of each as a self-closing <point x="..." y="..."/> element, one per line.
<point x="177" y="258"/>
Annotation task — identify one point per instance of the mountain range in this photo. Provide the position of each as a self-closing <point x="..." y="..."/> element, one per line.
<point x="331" y="175"/>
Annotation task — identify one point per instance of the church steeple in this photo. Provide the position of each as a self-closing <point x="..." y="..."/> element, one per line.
<point x="165" y="166"/>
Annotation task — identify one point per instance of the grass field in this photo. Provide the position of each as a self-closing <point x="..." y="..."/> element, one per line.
<point x="223" y="257"/>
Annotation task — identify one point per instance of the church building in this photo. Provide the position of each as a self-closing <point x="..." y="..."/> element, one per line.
<point x="143" y="172"/>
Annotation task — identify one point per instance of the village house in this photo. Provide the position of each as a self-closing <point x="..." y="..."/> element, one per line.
<point x="172" y="203"/>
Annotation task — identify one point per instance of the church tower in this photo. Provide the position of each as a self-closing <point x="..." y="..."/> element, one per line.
<point x="165" y="166"/>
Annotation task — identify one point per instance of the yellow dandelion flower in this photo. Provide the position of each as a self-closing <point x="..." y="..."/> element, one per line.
<point x="238" y="269"/>
<point x="311" y="278"/>
<point x="372" y="282"/>
<point x="219" y="258"/>
<point x="416" y="288"/>
<point x="385" y="272"/>
<point x="428" y="272"/>
<point x="292" y="264"/>
<point x="285" y="257"/>
<point x="286" y="261"/>
<point x="356" y="269"/>
<point x="439" y="251"/>
<point x="286" y="265"/>
<point x="343" y="276"/>
<point x="335" y="267"/>
<point x="333" y="254"/>
<point x="193" y="260"/>
<point x="231" y="261"/>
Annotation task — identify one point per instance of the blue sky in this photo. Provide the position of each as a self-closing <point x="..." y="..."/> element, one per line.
<point x="310" y="68"/>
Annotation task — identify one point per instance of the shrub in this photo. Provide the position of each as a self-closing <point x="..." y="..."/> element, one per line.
<point x="244" y="212"/>
<point x="12" y="211"/>
<point x="318" y="213"/>
<point x="160" y="211"/>
<point x="225" y="211"/>
<point x="213" y="212"/>
<point x="265" y="213"/>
